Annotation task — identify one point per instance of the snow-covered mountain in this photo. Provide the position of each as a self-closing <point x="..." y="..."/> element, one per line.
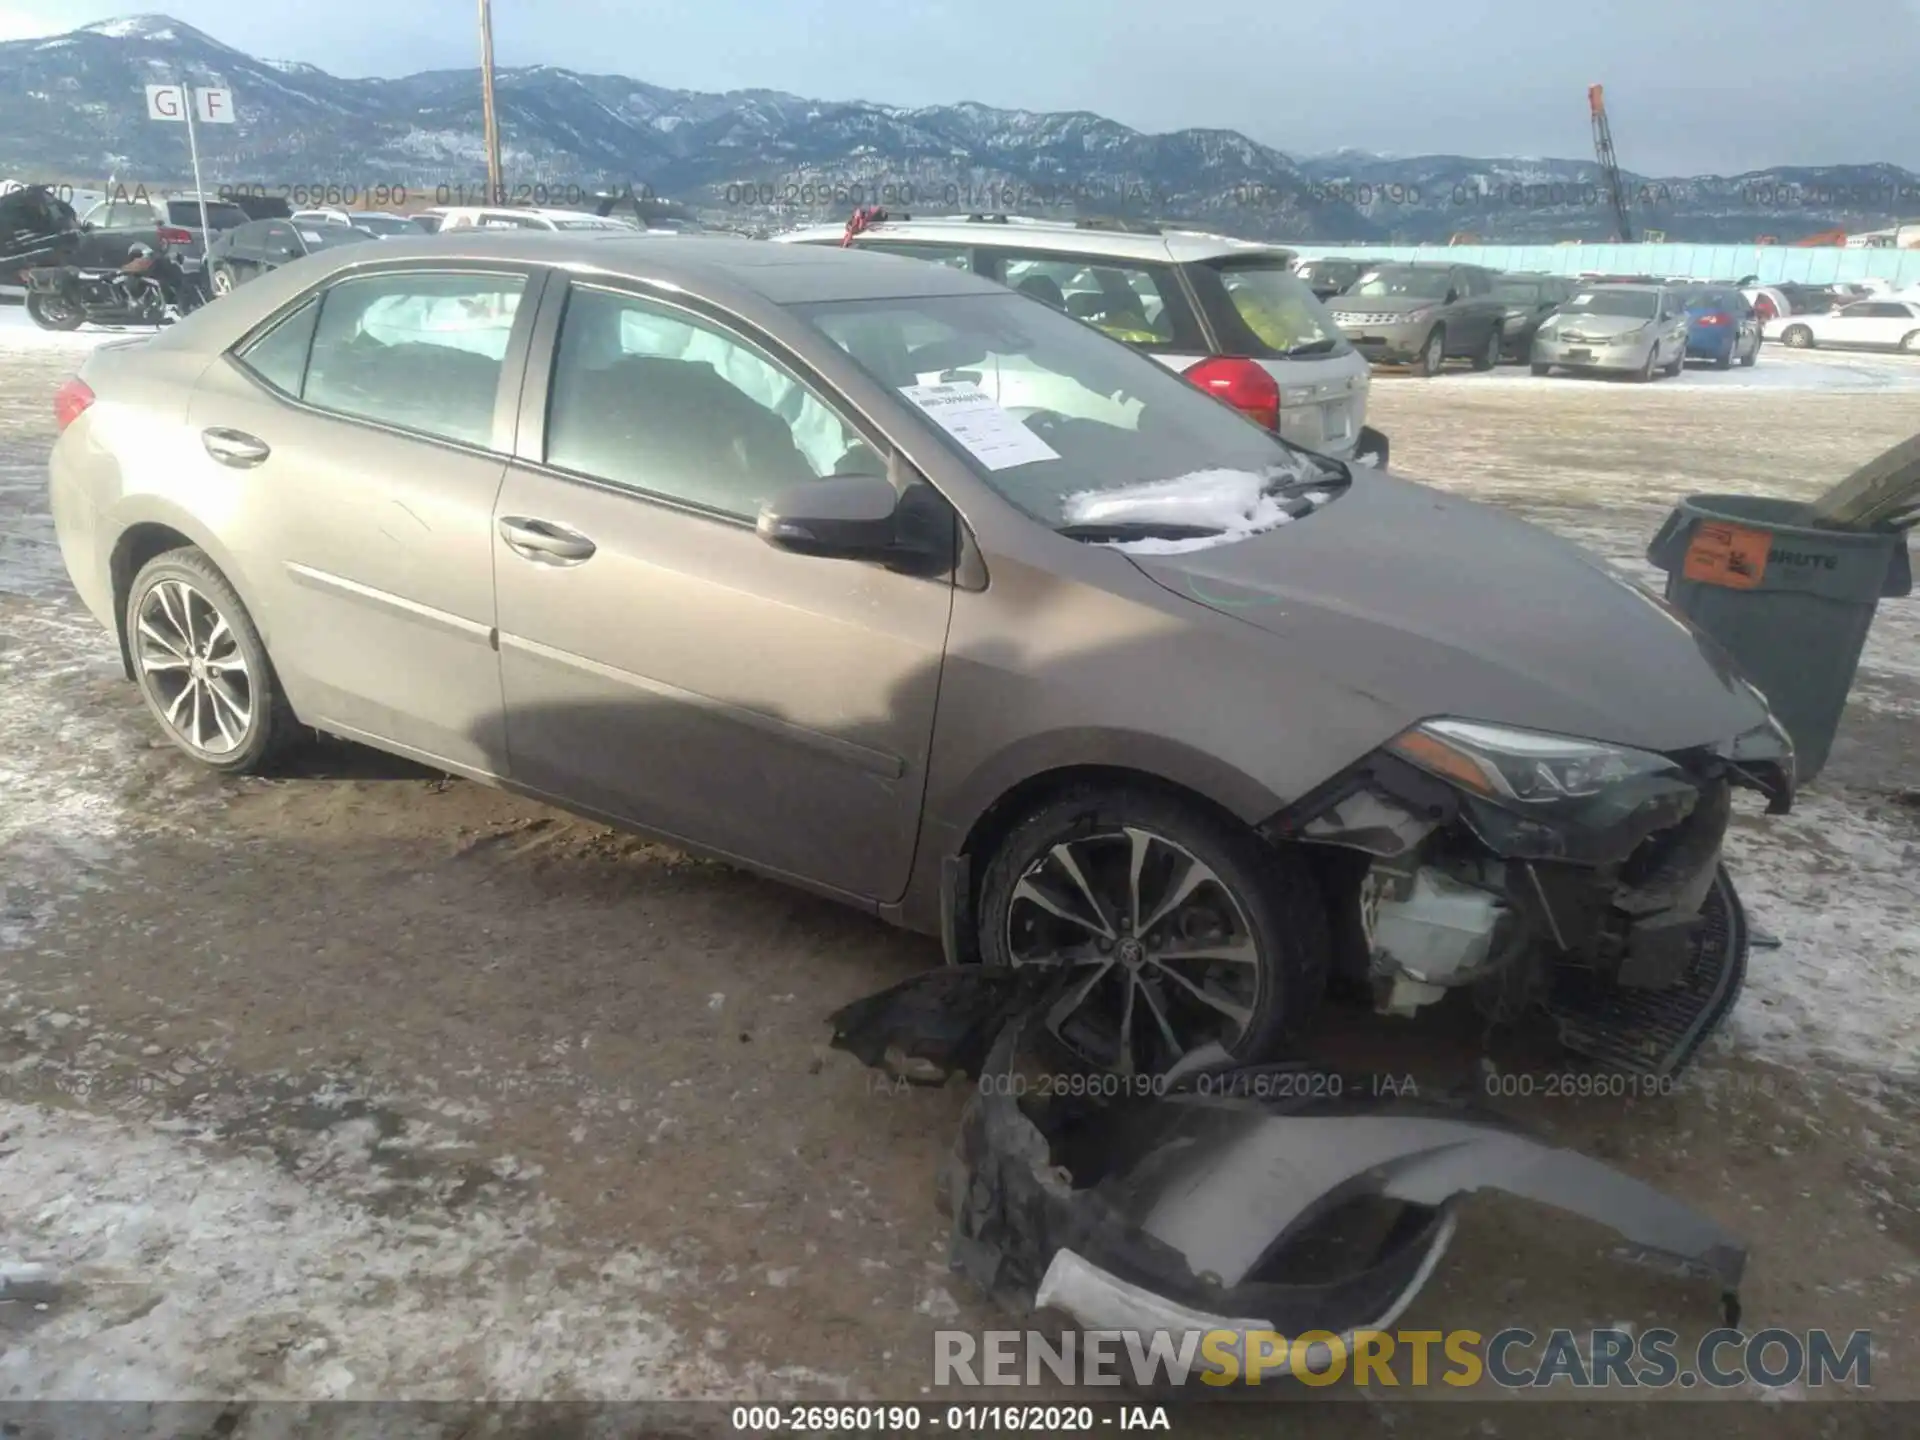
<point x="72" y="108"/>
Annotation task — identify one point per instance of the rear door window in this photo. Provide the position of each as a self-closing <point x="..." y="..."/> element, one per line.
<point x="1136" y="304"/>
<point x="423" y="352"/>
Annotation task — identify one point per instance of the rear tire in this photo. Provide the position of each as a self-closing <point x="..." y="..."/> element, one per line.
<point x="1433" y="354"/>
<point x="1752" y="357"/>
<point x="1540" y="369"/>
<point x="222" y="280"/>
<point x="50" y="312"/>
<point x="1262" y="903"/>
<point x="202" y="668"/>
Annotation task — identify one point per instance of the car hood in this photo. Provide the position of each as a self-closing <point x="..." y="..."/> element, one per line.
<point x="1599" y="324"/>
<point x="1430" y="605"/>
<point x="1385" y="304"/>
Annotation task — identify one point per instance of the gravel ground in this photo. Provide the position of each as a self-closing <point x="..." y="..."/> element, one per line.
<point x="360" y="1082"/>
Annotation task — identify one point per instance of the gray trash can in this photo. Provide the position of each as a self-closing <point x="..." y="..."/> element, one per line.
<point x="1790" y="603"/>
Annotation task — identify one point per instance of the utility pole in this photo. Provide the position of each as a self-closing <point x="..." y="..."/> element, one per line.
<point x="496" y="183"/>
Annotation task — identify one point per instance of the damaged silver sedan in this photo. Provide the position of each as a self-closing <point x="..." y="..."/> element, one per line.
<point x="1222" y="1197"/>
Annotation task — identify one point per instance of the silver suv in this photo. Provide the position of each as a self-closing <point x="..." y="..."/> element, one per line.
<point x="1424" y="313"/>
<point x="1227" y="314"/>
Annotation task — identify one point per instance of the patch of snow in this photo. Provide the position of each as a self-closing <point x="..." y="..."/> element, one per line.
<point x="187" y="1273"/>
<point x="1234" y="503"/>
<point x="126" y="26"/>
<point x="1839" y="883"/>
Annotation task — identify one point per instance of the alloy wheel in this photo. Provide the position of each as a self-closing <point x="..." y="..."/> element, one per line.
<point x="191" y="663"/>
<point x="1160" y="954"/>
<point x="222" y="282"/>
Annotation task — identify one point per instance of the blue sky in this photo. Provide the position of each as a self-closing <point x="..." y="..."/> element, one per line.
<point x="1693" y="85"/>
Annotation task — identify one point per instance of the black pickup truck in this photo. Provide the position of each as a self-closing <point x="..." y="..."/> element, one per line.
<point x="112" y="227"/>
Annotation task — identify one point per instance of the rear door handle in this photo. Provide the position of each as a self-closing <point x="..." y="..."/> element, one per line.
<point x="235" y="447"/>
<point x="545" y="541"/>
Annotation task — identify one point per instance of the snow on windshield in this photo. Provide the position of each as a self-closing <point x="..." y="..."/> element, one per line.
<point x="1232" y="503"/>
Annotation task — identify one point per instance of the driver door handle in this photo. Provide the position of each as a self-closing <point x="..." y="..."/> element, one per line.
<point x="545" y="541"/>
<point x="235" y="447"/>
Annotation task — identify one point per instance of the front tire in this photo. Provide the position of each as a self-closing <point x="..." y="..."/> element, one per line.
<point x="1173" y="928"/>
<point x="1433" y="354"/>
<point x="1491" y="358"/>
<point x="51" y="312"/>
<point x="1647" y="371"/>
<point x="1798" y="337"/>
<point x="201" y="666"/>
<point x="1910" y="342"/>
<point x="222" y="280"/>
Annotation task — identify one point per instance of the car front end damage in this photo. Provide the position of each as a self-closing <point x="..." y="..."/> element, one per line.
<point x="1544" y="874"/>
<point x="1246" y="1200"/>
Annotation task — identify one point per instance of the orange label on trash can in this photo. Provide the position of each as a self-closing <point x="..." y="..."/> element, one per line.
<point x="1727" y="555"/>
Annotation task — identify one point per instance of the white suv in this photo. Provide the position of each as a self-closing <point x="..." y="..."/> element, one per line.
<point x="1228" y="314"/>
<point x="510" y="217"/>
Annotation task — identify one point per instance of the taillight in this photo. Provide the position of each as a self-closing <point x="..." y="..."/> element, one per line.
<point x="174" y="235"/>
<point x="69" y="400"/>
<point x="1714" y="319"/>
<point x="1242" y="384"/>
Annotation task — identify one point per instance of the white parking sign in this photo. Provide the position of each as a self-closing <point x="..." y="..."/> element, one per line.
<point x="210" y="106"/>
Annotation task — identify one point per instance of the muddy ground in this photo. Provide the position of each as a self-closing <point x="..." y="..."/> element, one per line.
<point x="361" y="1082"/>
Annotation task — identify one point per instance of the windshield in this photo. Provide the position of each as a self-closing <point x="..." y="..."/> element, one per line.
<point x="1518" y="292"/>
<point x="1403" y="282"/>
<point x="1280" y="309"/>
<point x="384" y="224"/>
<point x="1044" y="408"/>
<point x="325" y="237"/>
<point x="1640" y="304"/>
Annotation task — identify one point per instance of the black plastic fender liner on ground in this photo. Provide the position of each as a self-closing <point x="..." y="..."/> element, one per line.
<point x="1272" y="1197"/>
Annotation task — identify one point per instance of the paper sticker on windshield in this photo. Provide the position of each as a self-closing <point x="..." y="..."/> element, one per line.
<point x="1582" y="298"/>
<point x="992" y="435"/>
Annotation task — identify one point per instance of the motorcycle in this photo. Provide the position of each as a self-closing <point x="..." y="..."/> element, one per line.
<point x="147" y="290"/>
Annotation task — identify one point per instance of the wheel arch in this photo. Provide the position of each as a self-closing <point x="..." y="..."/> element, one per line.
<point x="156" y="530"/>
<point x="1001" y="792"/>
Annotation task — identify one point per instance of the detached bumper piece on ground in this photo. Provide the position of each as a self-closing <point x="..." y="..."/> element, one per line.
<point x="1235" y="1199"/>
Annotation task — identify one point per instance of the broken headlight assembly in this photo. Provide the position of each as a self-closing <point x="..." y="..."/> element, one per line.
<point x="1522" y="767"/>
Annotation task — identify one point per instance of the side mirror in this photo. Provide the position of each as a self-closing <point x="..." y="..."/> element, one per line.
<point x="1453" y="298"/>
<point x="838" y="517"/>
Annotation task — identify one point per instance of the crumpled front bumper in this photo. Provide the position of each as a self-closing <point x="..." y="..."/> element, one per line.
<point x="1264" y="1200"/>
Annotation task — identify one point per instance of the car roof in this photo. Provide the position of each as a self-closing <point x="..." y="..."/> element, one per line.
<point x="1636" y="287"/>
<point x="1061" y="237"/>
<point x="782" y="274"/>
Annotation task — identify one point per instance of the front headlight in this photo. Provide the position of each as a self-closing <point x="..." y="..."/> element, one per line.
<point x="1526" y="766"/>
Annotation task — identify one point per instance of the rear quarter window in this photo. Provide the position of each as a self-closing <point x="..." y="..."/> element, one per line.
<point x="1263" y="309"/>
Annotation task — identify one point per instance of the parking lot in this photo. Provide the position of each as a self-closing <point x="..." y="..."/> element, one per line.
<point x="361" y="1081"/>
